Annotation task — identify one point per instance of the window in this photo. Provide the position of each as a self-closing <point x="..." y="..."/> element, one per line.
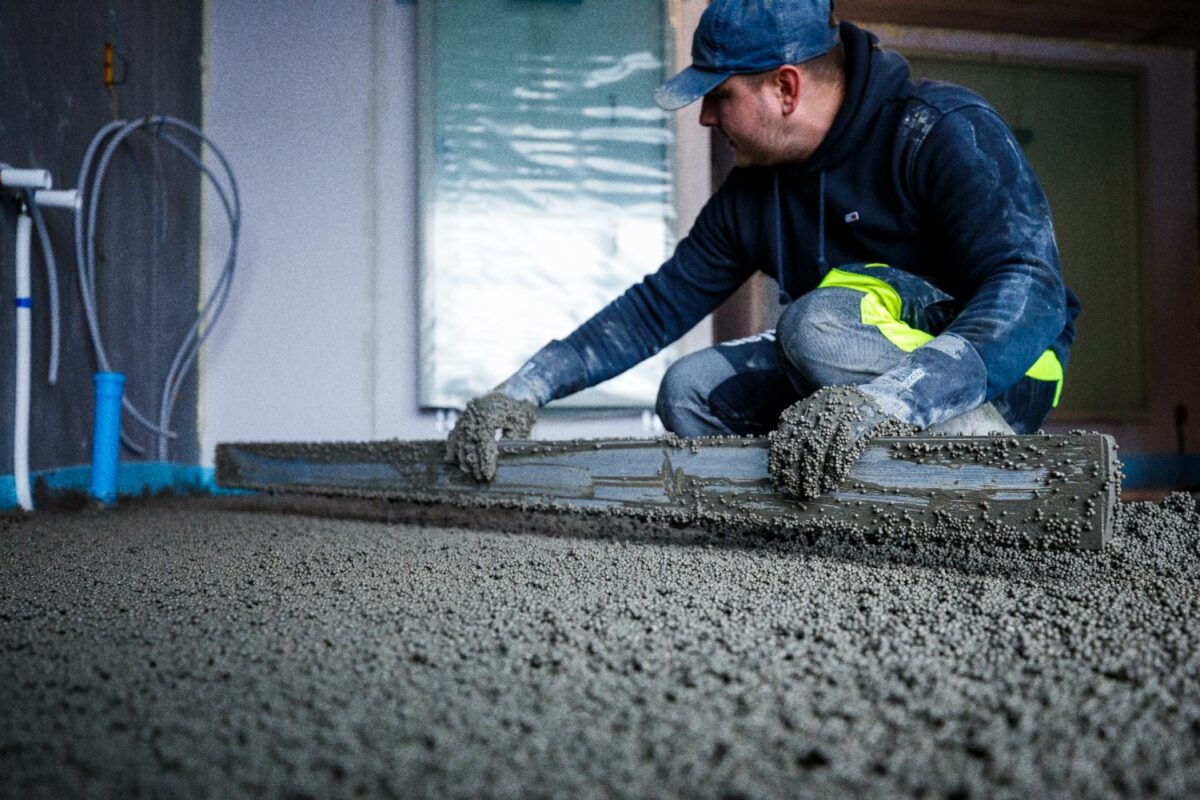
<point x="546" y="183"/>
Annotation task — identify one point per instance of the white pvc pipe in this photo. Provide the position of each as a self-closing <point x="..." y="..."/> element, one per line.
<point x="59" y="198"/>
<point x="25" y="178"/>
<point x="24" y="314"/>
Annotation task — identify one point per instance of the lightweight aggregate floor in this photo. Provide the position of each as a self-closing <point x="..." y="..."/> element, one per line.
<point x="193" y="649"/>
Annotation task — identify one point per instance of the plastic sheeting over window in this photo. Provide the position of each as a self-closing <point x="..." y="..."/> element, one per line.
<point x="546" y="183"/>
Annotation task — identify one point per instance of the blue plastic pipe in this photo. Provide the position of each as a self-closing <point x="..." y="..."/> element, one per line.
<point x="106" y="435"/>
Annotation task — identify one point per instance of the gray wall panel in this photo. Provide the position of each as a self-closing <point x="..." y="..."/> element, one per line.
<point x="52" y="101"/>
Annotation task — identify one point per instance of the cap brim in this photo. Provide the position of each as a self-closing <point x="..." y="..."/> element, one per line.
<point x="687" y="87"/>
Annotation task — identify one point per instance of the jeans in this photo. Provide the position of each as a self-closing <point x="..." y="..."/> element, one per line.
<point x="741" y="387"/>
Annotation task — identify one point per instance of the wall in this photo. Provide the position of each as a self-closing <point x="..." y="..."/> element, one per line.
<point x="51" y="55"/>
<point x="318" y="126"/>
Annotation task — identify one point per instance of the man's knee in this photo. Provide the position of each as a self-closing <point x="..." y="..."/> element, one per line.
<point x="673" y="391"/>
<point x="682" y="402"/>
<point x="819" y="334"/>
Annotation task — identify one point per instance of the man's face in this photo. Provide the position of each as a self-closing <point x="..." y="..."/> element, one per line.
<point x="742" y="109"/>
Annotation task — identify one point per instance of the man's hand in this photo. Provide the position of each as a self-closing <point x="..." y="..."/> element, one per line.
<point x="472" y="443"/>
<point x="819" y="438"/>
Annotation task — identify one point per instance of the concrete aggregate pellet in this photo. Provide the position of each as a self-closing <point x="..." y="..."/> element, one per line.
<point x="240" y="648"/>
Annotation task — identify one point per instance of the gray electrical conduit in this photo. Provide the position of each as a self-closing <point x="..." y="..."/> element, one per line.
<point x="85" y="251"/>
<point x="185" y="356"/>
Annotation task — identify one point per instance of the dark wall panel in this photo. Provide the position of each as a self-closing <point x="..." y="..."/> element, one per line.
<point x="52" y="101"/>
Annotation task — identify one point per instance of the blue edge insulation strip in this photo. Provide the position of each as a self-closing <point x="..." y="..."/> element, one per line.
<point x="138" y="477"/>
<point x="133" y="478"/>
<point x="1169" y="471"/>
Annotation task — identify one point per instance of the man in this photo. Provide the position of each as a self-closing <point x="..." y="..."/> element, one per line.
<point x="908" y="235"/>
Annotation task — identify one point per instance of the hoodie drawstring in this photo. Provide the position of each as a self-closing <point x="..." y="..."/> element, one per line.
<point x="784" y="297"/>
<point x="822" y="264"/>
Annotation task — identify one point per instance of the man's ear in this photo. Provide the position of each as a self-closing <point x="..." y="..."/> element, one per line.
<point x="789" y="82"/>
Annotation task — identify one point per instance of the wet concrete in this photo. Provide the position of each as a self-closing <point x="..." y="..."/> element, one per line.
<point x="253" y="647"/>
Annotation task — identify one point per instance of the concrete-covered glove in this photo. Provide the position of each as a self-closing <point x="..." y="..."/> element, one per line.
<point x="472" y="443"/>
<point x="819" y="438"/>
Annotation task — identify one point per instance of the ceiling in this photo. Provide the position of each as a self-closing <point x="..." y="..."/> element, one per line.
<point x="1162" y="22"/>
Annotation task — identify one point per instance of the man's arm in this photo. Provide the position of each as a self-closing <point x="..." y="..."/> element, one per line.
<point x="974" y="185"/>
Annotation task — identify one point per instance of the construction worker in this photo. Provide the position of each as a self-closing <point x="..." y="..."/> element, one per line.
<point x="908" y="235"/>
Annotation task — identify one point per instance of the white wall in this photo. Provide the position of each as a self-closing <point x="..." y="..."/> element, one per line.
<point x="292" y="96"/>
<point x="314" y="104"/>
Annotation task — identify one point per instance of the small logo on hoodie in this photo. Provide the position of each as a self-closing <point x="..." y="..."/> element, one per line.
<point x="852" y="217"/>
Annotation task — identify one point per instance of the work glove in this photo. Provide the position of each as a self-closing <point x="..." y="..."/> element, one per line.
<point x="472" y="443"/>
<point x="819" y="438"/>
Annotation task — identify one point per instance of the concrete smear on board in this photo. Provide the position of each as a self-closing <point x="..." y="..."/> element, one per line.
<point x="207" y="648"/>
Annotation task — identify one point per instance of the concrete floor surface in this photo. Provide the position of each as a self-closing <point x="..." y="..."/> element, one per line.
<point x="188" y="649"/>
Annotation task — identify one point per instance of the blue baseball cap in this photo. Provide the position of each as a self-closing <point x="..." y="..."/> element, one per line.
<point x="743" y="36"/>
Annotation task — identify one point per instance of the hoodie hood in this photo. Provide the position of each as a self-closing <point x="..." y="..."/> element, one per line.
<point x="873" y="77"/>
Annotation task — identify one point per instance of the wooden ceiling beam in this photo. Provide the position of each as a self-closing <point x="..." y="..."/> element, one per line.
<point x="1161" y="22"/>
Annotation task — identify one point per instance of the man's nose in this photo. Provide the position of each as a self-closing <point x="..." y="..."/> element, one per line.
<point x="708" y="117"/>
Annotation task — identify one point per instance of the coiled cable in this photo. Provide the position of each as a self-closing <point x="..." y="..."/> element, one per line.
<point x="85" y="257"/>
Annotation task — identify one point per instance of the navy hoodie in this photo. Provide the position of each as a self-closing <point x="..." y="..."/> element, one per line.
<point x="921" y="175"/>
